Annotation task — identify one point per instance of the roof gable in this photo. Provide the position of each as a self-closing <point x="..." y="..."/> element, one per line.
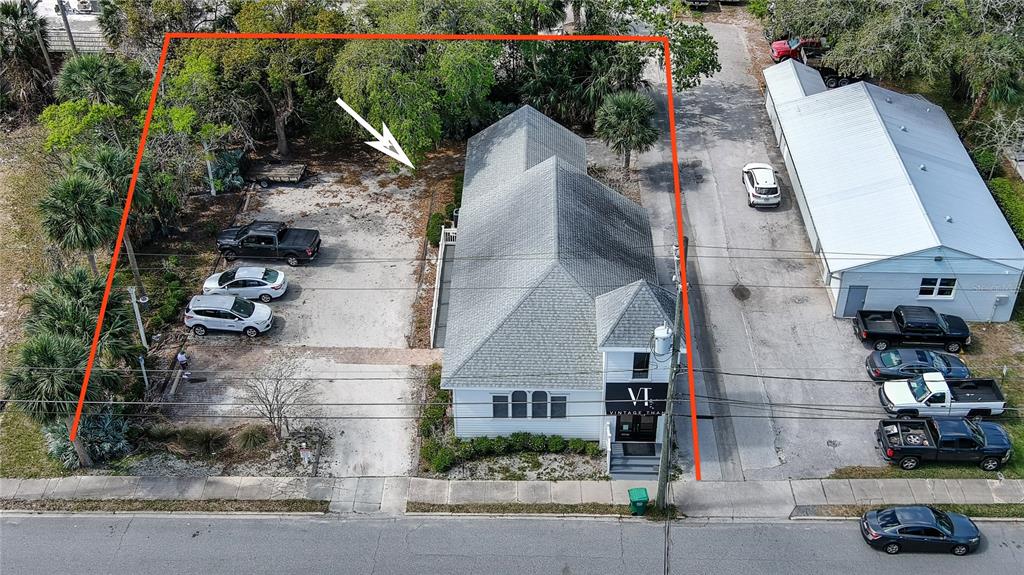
<point x="627" y="317"/>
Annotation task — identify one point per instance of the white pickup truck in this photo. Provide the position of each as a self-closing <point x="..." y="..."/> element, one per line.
<point x="930" y="395"/>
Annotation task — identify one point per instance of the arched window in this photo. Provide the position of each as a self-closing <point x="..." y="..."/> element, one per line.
<point x="518" y="404"/>
<point x="540" y="405"/>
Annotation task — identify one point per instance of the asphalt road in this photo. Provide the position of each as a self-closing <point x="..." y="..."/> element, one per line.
<point x="165" y="544"/>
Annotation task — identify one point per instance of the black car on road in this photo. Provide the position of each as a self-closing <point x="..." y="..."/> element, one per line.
<point x="907" y="363"/>
<point x="919" y="528"/>
<point x="269" y="240"/>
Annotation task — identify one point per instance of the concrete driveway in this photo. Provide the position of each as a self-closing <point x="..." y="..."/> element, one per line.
<point x="346" y="318"/>
<point x="762" y="321"/>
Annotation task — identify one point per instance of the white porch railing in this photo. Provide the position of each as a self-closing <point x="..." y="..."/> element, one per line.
<point x="608" y="446"/>
<point x="448" y="236"/>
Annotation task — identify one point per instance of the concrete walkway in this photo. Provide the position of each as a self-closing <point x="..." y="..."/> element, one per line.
<point x="388" y="495"/>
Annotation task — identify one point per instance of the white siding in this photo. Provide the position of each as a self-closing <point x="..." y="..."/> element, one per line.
<point x="980" y="283"/>
<point x="618" y="366"/>
<point x="473" y="415"/>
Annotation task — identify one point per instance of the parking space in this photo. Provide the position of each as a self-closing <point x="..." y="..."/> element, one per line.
<point x="345" y="320"/>
<point x="764" y="329"/>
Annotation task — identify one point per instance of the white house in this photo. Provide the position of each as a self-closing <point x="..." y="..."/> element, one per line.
<point x="892" y="203"/>
<point x="553" y="298"/>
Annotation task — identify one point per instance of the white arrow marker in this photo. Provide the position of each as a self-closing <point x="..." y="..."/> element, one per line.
<point x="385" y="142"/>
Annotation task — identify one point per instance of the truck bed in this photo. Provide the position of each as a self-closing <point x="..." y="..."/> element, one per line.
<point x="877" y="321"/>
<point x="975" y="390"/>
<point x="898" y="433"/>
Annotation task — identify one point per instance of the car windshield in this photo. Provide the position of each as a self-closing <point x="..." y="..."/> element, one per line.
<point x="794" y="42"/>
<point x="943" y="520"/>
<point x="890" y="358"/>
<point x="271" y="276"/>
<point x="979" y="436"/>
<point x="887" y="519"/>
<point x="919" y="388"/>
<point x="226" y="277"/>
<point x="940" y="363"/>
<point x="939" y="319"/>
<point x="768" y="191"/>
<point x="243" y="307"/>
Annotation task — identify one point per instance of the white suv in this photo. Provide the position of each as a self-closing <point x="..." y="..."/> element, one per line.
<point x="762" y="189"/>
<point x="227" y="313"/>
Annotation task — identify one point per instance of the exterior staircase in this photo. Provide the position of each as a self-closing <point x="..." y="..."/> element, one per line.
<point x="632" y="466"/>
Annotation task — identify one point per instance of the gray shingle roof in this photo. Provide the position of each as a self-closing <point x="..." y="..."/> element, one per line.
<point x="626" y="317"/>
<point x="538" y="241"/>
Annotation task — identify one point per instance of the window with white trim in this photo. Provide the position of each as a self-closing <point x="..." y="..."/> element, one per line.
<point x="937" y="287"/>
<point x="641" y="365"/>
<point x="518" y="404"/>
<point x="499" y="406"/>
<point x="558" y="406"/>
<point x="539" y="401"/>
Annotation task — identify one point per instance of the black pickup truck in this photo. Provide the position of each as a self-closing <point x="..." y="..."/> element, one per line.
<point x="269" y="240"/>
<point x="908" y="442"/>
<point x="912" y="324"/>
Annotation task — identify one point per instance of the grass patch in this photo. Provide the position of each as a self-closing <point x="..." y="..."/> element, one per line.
<point x="167" y="505"/>
<point x="926" y="471"/>
<point x="23" y="448"/>
<point x="653" y="513"/>
<point x="975" y="510"/>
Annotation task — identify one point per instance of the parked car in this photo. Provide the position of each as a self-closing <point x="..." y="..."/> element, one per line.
<point x="264" y="284"/>
<point x="786" y="49"/>
<point x="762" y="189"/>
<point x="812" y="56"/>
<point x="269" y="240"/>
<point x="919" y="528"/>
<point x="227" y="313"/>
<point x="930" y="394"/>
<point x="911" y="324"/>
<point x="909" y="442"/>
<point x="905" y="363"/>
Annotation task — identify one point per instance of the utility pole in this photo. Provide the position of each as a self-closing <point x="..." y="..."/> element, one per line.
<point x="31" y="13"/>
<point x="143" y="298"/>
<point x="138" y="316"/>
<point x="67" y="27"/>
<point x="666" y="442"/>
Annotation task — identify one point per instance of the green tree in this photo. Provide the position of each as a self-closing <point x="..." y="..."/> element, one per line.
<point x="112" y="168"/>
<point x="136" y="28"/>
<point x="48" y="379"/>
<point x="76" y="216"/>
<point x="100" y="79"/>
<point x="23" y="65"/>
<point x="624" y="122"/>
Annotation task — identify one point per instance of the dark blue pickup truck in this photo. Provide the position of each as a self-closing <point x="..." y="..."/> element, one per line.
<point x="908" y="442"/>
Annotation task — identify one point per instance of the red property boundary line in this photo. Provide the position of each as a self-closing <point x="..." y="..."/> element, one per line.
<point x="440" y="37"/>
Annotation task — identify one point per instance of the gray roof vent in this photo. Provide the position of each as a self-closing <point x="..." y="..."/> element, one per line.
<point x="923" y="168"/>
<point x="949" y="219"/>
<point x="903" y="128"/>
<point x="888" y="100"/>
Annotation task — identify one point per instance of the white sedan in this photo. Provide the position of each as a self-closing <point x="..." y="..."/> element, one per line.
<point x="762" y="189"/>
<point x="264" y="284"/>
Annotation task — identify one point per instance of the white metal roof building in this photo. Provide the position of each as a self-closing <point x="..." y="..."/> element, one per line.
<point x="891" y="200"/>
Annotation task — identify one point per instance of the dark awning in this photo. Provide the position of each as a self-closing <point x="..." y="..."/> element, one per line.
<point x="635" y="398"/>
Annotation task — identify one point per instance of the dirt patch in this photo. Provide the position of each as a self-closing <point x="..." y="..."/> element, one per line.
<point x="617" y="178"/>
<point x="531" y="467"/>
<point x="168" y="505"/>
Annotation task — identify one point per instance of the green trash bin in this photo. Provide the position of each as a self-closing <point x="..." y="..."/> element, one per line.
<point x="638" y="501"/>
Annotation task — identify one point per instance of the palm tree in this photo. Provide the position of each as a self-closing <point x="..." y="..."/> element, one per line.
<point x="624" y="123"/>
<point x="23" y="60"/>
<point x="77" y="217"/>
<point x="99" y="78"/>
<point x="69" y="303"/>
<point x="49" y="378"/>
<point x="112" y="167"/>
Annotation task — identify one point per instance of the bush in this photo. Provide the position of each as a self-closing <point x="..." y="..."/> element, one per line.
<point x="1010" y="197"/>
<point x="449" y="210"/>
<point x="104" y="434"/>
<point x="439" y="457"/>
<point x="538" y="443"/>
<point x="556" y="444"/>
<point x="759" y="8"/>
<point x="161" y="432"/>
<point x="174" y="297"/>
<point x="988" y="162"/>
<point x="593" y="449"/>
<point x="434" y="226"/>
<point x="482" y="446"/>
<point x="203" y="440"/>
<point x="501" y="446"/>
<point x="464" y="450"/>
<point x="577" y="445"/>
<point x="252" y="437"/>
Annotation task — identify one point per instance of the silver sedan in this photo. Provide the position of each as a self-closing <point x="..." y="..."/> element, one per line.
<point x="264" y="284"/>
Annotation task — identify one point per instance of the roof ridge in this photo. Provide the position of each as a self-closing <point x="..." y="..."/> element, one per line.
<point x="867" y="87"/>
<point x="632" y="298"/>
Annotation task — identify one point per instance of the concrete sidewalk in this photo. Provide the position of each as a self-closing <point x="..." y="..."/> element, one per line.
<point x="388" y="495"/>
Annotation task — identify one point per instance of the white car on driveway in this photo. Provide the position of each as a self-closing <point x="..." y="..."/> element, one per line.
<point x="227" y="313"/>
<point x="264" y="284"/>
<point x="762" y="188"/>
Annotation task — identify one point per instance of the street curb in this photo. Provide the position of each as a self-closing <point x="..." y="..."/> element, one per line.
<point x="527" y="515"/>
<point x="260" y="514"/>
<point x="975" y="519"/>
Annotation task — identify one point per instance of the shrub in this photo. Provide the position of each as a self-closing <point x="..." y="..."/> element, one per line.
<point x="482" y="446"/>
<point x="988" y="162"/>
<point x="501" y="446"/>
<point x="1010" y="197"/>
<point x="759" y="8"/>
<point x="538" y="443"/>
<point x="457" y="190"/>
<point x="556" y="444"/>
<point x="105" y="436"/>
<point x="577" y="445"/>
<point x="593" y="449"/>
<point x="203" y="440"/>
<point x="432" y="419"/>
<point x="161" y="432"/>
<point x="464" y="450"/>
<point x="519" y="442"/>
<point x="439" y="458"/>
<point x="434" y="226"/>
<point x="252" y="437"/>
